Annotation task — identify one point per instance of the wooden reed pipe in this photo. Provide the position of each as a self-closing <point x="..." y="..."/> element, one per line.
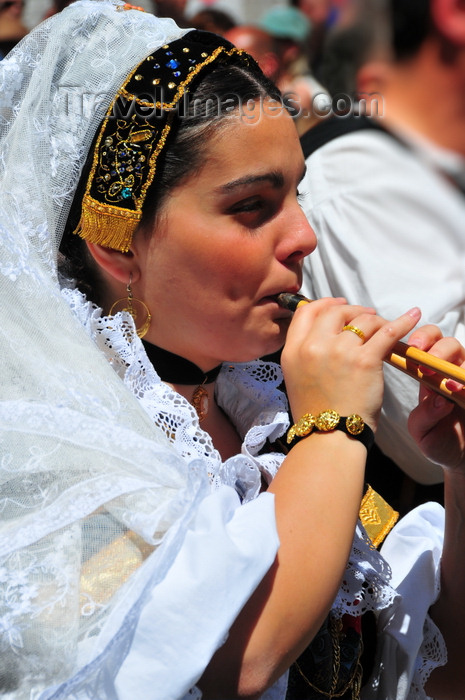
<point x="406" y="358"/>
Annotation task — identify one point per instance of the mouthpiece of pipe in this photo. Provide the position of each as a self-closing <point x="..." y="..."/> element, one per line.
<point x="291" y="301"/>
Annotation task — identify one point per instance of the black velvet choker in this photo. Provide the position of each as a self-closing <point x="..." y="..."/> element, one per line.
<point x="177" y="370"/>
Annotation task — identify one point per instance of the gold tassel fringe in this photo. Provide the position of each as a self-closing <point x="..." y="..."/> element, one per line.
<point x="106" y="225"/>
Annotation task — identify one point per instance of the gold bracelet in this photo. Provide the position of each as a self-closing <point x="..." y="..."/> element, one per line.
<point x="330" y="420"/>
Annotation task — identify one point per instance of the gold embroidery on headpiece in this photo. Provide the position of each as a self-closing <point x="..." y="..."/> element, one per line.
<point x="129" y="142"/>
<point x="127" y="6"/>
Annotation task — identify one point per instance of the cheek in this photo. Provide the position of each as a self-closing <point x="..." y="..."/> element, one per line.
<point x="234" y="270"/>
<point x="246" y="263"/>
<point x="206" y="257"/>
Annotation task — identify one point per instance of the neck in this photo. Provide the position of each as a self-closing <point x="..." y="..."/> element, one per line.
<point x="12" y="28"/>
<point x="178" y="370"/>
<point x="185" y="377"/>
<point x="427" y="95"/>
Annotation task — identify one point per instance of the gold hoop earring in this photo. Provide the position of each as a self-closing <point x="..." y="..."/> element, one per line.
<point x="135" y="307"/>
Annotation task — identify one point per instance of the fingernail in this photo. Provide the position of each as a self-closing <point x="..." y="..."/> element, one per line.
<point x="415" y="312"/>
<point x="453" y="385"/>
<point x="416" y="342"/>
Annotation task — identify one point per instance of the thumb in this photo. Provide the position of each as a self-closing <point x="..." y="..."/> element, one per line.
<point x="429" y="412"/>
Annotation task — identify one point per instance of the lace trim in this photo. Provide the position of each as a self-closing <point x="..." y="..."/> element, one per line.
<point x="249" y="394"/>
<point x="431" y="655"/>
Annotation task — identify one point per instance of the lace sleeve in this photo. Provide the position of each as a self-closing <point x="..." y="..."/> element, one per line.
<point x="410" y="645"/>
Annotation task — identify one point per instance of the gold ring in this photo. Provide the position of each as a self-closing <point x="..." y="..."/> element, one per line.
<point x="355" y="330"/>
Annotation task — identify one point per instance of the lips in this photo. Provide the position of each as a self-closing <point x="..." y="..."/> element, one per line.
<point x="288" y="290"/>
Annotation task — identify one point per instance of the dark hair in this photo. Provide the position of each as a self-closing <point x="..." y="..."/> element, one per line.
<point x="349" y="46"/>
<point x="212" y="104"/>
<point x="398" y="25"/>
<point x="345" y="51"/>
<point x="213" y="21"/>
<point x="411" y="24"/>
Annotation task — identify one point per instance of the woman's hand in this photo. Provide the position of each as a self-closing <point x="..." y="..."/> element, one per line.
<point x="325" y="367"/>
<point x="437" y="424"/>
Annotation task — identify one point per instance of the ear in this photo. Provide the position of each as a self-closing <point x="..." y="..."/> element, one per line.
<point x="119" y="266"/>
<point x="290" y="54"/>
<point x="269" y="63"/>
<point x="372" y="78"/>
<point x="449" y="18"/>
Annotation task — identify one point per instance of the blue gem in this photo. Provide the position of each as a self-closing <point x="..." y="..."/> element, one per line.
<point x="169" y="53"/>
<point x="177" y="73"/>
<point x="172" y="64"/>
<point x="126" y="192"/>
<point x="156" y="65"/>
<point x="113" y="172"/>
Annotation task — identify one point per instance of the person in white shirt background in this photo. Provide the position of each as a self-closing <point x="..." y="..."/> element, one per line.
<point x="388" y="210"/>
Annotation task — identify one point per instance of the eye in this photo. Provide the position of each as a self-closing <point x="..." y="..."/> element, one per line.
<point x="247" y="205"/>
<point x="253" y="211"/>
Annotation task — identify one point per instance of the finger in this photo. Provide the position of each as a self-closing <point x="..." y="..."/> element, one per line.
<point x="305" y="318"/>
<point x="392" y="331"/>
<point x="362" y="327"/>
<point x="432" y="409"/>
<point x="424" y="337"/>
<point x="350" y="328"/>
<point x="323" y="317"/>
<point x="451" y="350"/>
<point x="447" y="349"/>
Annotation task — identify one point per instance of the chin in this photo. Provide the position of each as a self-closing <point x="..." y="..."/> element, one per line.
<point x="274" y="345"/>
<point x="257" y="345"/>
<point x="281" y="333"/>
<point x="264" y="351"/>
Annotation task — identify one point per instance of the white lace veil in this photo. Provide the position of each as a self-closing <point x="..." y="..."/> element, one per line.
<point x="82" y="469"/>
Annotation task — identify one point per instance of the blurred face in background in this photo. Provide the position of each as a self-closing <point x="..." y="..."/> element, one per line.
<point x="11" y="8"/>
<point x="316" y="10"/>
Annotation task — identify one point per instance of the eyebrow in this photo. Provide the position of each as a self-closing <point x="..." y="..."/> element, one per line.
<point x="276" y="180"/>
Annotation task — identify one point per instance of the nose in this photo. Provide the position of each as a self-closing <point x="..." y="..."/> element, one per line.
<point x="299" y="239"/>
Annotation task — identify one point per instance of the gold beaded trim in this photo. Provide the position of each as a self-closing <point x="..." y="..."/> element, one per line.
<point x="182" y="86"/>
<point x="355" y="424"/>
<point x="325" y="422"/>
<point x="105" y="221"/>
<point x="128" y="6"/>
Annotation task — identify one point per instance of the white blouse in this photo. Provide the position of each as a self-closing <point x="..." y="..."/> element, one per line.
<point x="232" y="542"/>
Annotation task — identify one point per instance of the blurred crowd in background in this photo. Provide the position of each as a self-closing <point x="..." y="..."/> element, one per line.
<point x="287" y="39"/>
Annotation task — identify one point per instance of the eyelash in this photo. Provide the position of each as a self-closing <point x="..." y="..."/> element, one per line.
<point x="257" y="204"/>
<point x="252" y="213"/>
<point x="247" y="206"/>
<point x="258" y="207"/>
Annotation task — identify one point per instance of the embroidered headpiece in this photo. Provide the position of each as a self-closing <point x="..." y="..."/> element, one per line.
<point x="136" y="129"/>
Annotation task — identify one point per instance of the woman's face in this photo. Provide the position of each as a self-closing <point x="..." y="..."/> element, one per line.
<point x="227" y="241"/>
